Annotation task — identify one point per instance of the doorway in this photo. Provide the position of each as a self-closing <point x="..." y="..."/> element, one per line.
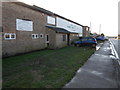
<point x="68" y="39"/>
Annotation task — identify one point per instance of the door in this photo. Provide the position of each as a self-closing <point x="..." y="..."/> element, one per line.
<point x="68" y="39"/>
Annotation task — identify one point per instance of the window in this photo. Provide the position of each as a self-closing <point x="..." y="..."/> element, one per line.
<point x="41" y="35"/>
<point x="24" y="25"/>
<point x="50" y="20"/>
<point x="86" y="28"/>
<point x="84" y="39"/>
<point x="90" y="39"/>
<point x="64" y="37"/>
<point x="8" y="36"/>
<point x="34" y="36"/>
<point x="47" y="37"/>
<point x="12" y="36"/>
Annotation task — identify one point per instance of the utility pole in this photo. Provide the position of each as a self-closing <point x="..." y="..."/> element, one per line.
<point x="90" y="27"/>
<point x="99" y="29"/>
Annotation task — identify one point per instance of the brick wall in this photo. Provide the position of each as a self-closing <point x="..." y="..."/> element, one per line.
<point x="23" y="42"/>
<point x="59" y="40"/>
<point x="85" y="31"/>
<point x="73" y="37"/>
<point x="52" y="38"/>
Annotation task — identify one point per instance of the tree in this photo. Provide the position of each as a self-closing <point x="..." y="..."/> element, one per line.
<point x="102" y="34"/>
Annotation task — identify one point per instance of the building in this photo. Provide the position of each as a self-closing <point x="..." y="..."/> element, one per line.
<point x="86" y="31"/>
<point x="75" y="29"/>
<point x="61" y="31"/>
<point x="119" y="36"/>
<point x="28" y="28"/>
<point x="23" y="28"/>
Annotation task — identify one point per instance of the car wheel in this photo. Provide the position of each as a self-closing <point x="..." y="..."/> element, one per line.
<point x="75" y="45"/>
<point x="79" y="45"/>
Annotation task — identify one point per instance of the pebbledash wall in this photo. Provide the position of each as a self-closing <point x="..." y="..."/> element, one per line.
<point x="24" y="29"/>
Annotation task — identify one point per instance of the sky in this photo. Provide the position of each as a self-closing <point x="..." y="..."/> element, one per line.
<point x="96" y="12"/>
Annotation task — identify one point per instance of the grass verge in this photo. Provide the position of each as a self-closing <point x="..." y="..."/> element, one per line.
<point x="44" y="69"/>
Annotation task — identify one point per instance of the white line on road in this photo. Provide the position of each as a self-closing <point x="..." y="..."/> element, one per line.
<point x="114" y="52"/>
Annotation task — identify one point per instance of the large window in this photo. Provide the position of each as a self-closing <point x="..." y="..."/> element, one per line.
<point x="24" y="25"/>
<point x="8" y="36"/>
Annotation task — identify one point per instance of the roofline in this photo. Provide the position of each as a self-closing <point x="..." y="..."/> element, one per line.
<point x="68" y="19"/>
<point x="34" y="7"/>
<point x="62" y="28"/>
<point x="37" y="8"/>
<point x="86" y="26"/>
<point x="43" y="10"/>
<point x="66" y="31"/>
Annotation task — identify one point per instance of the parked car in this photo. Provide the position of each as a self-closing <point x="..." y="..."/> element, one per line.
<point x="86" y="41"/>
<point x="106" y="38"/>
<point x="100" y="38"/>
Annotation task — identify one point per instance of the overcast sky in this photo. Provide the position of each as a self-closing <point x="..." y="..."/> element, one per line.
<point x="104" y="12"/>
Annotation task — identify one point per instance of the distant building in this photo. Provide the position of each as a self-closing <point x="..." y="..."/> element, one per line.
<point x="86" y="31"/>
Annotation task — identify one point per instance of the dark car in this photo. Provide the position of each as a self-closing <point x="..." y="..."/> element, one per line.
<point x="100" y="38"/>
<point x="86" y="41"/>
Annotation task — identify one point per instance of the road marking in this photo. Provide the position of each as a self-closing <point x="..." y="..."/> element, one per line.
<point x="114" y="52"/>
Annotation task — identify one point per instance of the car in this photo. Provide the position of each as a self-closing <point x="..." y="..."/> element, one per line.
<point x="100" y="38"/>
<point x="106" y="38"/>
<point x="86" y="41"/>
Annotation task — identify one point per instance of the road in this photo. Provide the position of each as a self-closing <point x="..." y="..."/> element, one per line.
<point x="116" y="44"/>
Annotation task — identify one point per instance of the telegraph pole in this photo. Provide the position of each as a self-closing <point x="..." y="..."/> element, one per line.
<point x="99" y="29"/>
<point x="90" y="27"/>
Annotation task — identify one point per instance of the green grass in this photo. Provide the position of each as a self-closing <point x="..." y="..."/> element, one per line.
<point x="44" y="69"/>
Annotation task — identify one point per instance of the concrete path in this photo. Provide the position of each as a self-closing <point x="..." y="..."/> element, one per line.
<point x="97" y="72"/>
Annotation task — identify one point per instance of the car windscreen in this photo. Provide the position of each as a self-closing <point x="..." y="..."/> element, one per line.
<point x="84" y="39"/>
<point x="90" y="39"/>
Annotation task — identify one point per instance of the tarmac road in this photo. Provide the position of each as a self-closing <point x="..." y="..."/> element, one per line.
<point x="116" y="44"/>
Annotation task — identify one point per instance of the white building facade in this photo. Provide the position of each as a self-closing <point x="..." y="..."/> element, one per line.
<point x="72" y="27"/>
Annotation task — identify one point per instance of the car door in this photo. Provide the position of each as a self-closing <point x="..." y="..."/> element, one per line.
<point x="84" y="41"/>
<point x="90" y="41"/>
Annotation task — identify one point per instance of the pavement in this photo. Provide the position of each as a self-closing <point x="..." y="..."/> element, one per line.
<point x="98" y="72"/>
